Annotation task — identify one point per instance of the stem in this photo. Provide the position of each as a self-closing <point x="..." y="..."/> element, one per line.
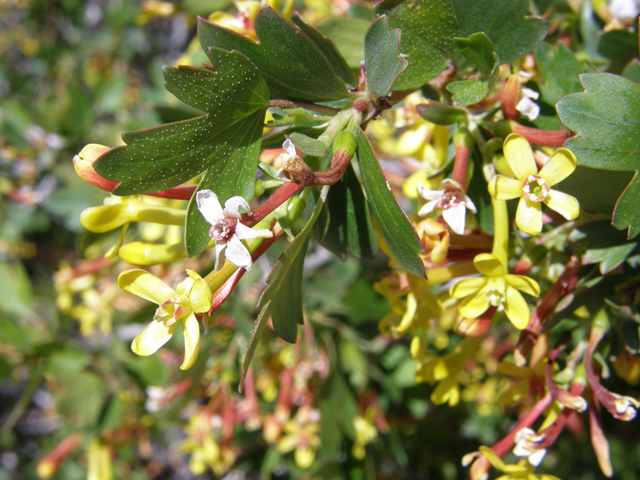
<point x="500" y="231"/>
<point x="306" y="106"/>
<point x="22" y="404"/>
<point x="460" y="164"/>
<point x="284" y="193"/>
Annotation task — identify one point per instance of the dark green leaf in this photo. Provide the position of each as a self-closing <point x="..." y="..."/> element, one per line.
<point x="349" y="219"/>
<point x="291" y="64"/>
<point x="606" y="119"/>
<point x="396" y="228"/>
<point x="428" y="28"/>
<point x="560" y="71"/>
<point x="632" y="71"/>
<point x="284" y="283"/>
<point x="505" y="22"/>
<point x="441" y="114"/>
<point x="235" y="98"/>
<point x="348" y="35"/>
<point x="261" y="322"/>
<point x="327" y="47"/>
<point x="382" y="57"/>
<point x="468" y="92"/>
<point x="619" y="45"/>
<point x="605" y="245"/>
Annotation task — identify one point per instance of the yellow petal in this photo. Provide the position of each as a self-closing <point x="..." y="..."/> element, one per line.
<point x="505" y="188"/>
<point x="409" y="314"/>
<point x="200" y="295"/>
<point x="447" y="391"/>
<point x="517" y="309"/>
<point x="529" y="217"/>
<point x="564" y="204"/>
<point x="154" y="336"/>
<point x="473" y="307"/>
<point x="304" y="456"/>
<point x="191" y="330"/>
<point x="519" y="156"/>
<point x="145" y="285"/>
<point x="464" y="288"/>
<point x="489" y="265"/>
<point x="147" y="254"/>
<point x="105" y="217"/>
<point x="524" y="284"/>
<point x="493" y="458"/>
<point x="561" y="164"/>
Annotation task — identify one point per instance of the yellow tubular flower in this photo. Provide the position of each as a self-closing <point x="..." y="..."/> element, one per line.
<point x="521" y="471"/>
<point x="533" y="187"/>
<point x="495" y="288"/>
<point x="191" y="296"/>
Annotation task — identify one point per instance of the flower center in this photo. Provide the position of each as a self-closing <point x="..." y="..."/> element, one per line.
<point x="496" y="299"/>
<point x="535" y="188"/>
<point x="224" y="229"/>
<point x="449" y="199"/>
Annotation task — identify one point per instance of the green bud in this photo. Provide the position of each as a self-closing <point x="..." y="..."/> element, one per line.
<point x="345" y="141"/>
<point x="295" y="206"/>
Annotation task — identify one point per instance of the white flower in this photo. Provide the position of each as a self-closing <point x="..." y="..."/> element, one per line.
<point x="526" y="105"/>
<point x="526" y="440"/>
<point x="286" y="159"/>
<point x="452" y="200"/>
<point x="226" y="228"/>
<point x="624" y="10"/>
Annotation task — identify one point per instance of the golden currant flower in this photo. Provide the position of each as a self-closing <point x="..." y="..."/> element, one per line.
<point x="192" y="296"/>
<point x="533" y="187"/>
<point x="495" y="288"/>
<point x="523" y="470"/>
<point x="302" y="434"/>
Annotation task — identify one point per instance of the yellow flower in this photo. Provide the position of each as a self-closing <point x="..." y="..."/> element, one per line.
<point x="533" y="187"/>
<point x="302" y="434"/>
<point x="365" y="433"/>
<point x="523" y="470"/>
<point x="495" y="288"/>
<point x="191" y="296"/>
<point x="206" y="452"/>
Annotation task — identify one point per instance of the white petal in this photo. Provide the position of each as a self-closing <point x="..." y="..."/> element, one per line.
<point x="528" y="108"/>
<point x="521" y="433"/>
<point x="428" y="208"/>
<point x="289" y="147"/>
<point x="245" y="233"/>
<point x="209" y="206"/>
<point x="536" y="457"/>
<point x="238" y="254"/>
<point x="430" y="194"/>
<point x="455" y="217"/>
<point x="527" y="92"/>
<point x="469" y="204"/>
<point x="624" y="9"/>
<point x="231" y="207"/>
<point x="449" y="184"/>
<point x="220" y="248"/>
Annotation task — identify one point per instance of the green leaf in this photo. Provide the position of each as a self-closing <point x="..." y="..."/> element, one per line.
<point x="605" y="245"/>
<point x="382" y="57"/>
<point x="606" y="119"/>
<point x="505" y="22"/>
<point x="478" y="49"/>
<point x="284" y="283"/>
<point x="396" y="228"/>
<point x="261" y="322"/>
<point x="349" y="219"/>
<point x="560" y="71"/>
<point x="348" y="35"/>
<point x="291" y="64"/>
<point x="81" y="396"/>
<point x="308" y="145"/>
<point x="632" y="70"/>
<point x="327" y="47"/>
<point x="619" y="45"/>
<point x="428" y="28"/>
<point x="235" y="98"/>
<point x="441" y="114"/>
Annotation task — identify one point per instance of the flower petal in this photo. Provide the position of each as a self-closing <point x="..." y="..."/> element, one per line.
<point x="519" y="156"/>
<point x="561" y="164"/>
<point x="220" y="248"/>
<point x="428" y="208"/>
<point x="209" y="206"/>
<point x="528" y="108"/>
<point x="524" y="284"/>
<point x="455" y="217"/>
<point x="191" y="330"/>
<point x="467" y="287"/>
<point x="200" y="295"/>
<point x="517" y="309"/>
<point x="469" y="204"/>
<point x="564" y="204"/>
<point x="154" y="336"/>
<point x="529" y="217"/>
<point x="145" y="285"/>
<point x="231" y="207"/>
<point x="430" y="194"/>
<point x="489" y="265"/>
<point x="238" y="254"/>
<point x="245" y="233"/>
<point x="473" y="307"/>
<point x="289" y="147"/>
<point x="505" y="188"/>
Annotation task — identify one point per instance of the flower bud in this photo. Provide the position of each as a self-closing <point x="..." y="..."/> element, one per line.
<point x="83" y="163"/>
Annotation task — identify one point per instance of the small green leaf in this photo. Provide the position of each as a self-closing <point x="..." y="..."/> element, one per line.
<point x="478" y="49"/>
<point x="284" y="283"/>
<point x="349" y="219"/>
<point x="606" y="119"/>
<point x="348" y="35"/>
<point x="468" y="92"/>
<point x="560" y="71"/>
<point x="428" y="28"/>
<point x="619" y="45"/>
<point x="291" y="64"/>
<point x="396" y="228"/>
<point x="235" y="98"/>
<point x="308" y="145"/>
<point x="327" y="47"/>
<point x="605" y="245"/>
<point x="441" y="114"/>
<point x="382" y="57"/>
